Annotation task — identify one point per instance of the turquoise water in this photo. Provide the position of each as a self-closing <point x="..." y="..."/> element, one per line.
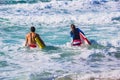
<point x="59" y="60"/>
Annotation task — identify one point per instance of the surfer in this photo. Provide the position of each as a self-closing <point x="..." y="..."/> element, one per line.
<point x="30" y="38"/>
<point x="75" y="34"/>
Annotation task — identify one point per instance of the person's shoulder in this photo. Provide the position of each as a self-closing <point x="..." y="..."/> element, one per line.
<point x="37" y="34"/>
<point x="77" y="28"/>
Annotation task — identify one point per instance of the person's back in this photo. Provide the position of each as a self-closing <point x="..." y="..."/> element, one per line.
<point x="30" y="38"/>
<point x="75" y="34"/>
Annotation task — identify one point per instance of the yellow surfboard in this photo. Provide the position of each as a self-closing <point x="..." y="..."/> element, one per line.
<point x="40" y="43"/>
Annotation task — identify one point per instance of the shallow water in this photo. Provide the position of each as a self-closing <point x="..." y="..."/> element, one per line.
<point x="59" y="60"/>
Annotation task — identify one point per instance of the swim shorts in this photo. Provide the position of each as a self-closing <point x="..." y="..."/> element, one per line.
<point x="76" y="42"/>
<point x="33" y="45"/>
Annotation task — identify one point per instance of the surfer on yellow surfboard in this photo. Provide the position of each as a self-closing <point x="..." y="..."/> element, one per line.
<point x="33" y="39"/>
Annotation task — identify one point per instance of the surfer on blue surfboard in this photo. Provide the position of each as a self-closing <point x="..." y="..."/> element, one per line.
<point x="78" y="36"/>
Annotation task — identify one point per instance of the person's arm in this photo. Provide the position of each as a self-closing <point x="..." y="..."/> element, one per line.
<point x="71" y="34"/>
<point x="26" y="42"/>
<point x="81" y="31"/>
<point x="84" y="36"/>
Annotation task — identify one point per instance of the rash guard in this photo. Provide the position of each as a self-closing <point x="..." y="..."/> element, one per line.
<point x="75" y="34"/>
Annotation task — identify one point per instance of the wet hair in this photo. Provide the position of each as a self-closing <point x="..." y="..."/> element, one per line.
<point x="32" y="29"/>
<point x="73" y="26"/>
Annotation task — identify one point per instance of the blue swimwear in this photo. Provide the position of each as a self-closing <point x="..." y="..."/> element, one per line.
<point x="75" y="35"/>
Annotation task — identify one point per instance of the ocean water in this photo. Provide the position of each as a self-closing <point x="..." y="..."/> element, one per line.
<point x="98" y="19"/>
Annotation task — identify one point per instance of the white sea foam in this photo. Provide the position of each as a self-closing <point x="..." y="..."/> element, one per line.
<point x="112" y="75"/>
<point x="46" y="12"/>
